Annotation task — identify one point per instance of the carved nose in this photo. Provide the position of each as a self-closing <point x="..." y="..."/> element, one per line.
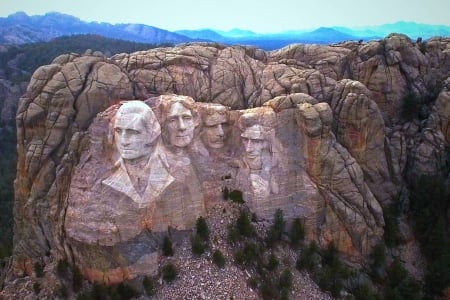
<point x="219" y="130"/>
<point x="181" y="124"/>
<point x="248" y="145"/>
<point x="125" y="137"/>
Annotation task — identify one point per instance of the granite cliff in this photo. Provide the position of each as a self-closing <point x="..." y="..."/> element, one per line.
<point x="337" y="147"/>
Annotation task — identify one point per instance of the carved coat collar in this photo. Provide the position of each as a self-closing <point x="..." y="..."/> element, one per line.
<point x="159" y="179"/>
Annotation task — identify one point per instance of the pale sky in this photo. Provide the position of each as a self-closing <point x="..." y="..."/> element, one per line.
<point x="261" y="16"/>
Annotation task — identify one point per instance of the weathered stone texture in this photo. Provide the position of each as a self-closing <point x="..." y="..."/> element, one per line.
<point x="325" y="119"/>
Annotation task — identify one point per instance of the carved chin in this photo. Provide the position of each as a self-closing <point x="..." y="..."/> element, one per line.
<point x="254" y="162"/>
<point x="131" y="154"/>
<point x="216" y="144"/>
<point x="181" y="141"/>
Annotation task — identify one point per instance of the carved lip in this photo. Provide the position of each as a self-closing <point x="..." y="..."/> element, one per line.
<point x="216" y="144"/>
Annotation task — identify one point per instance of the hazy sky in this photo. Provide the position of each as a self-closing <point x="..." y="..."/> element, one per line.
<point x="257" y="15"/>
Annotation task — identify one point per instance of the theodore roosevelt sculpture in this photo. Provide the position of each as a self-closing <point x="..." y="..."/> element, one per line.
<point x="214" y="130"/>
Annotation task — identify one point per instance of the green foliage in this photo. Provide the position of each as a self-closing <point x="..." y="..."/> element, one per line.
<point x="272" y="263"/>
<point x="411" y="107"/>
<point x="121" y="291"/>
<point x="38" y="269"/>
<point x="309" y="257"/>
<point x="276" y="230"/>
<point x="199" y="242"/>
<point x="7" y="175"/>
<point x="218" y="259"/>
<point x="241" y="229"/>
<point x="99" y="291"/>
<point x="62" y="268"/>
<point x="268" y="290"/>
<point x="333" y="273"/>
<point x="77" y="278"/>
<point x="392" y="235"/>
<point x="5" y="250"/>
<point x="378" y="255"/>
<point x="249" y="254"/>
<point x="244" y="226"/>
<point x="429" y="206"/>
<point x="149" y="286"/>
<point x="364" y="292"/>
<point x="236" y="196"/>
<point x="437" y="277"/>
<point x="284" y="294"/>
<point x="377" y="259"/>
<point x="202" y="229"/>
<point x="330" y="255"/>
<point x="36" y="288"/>
<point x="399" y="284"/>
<point x="226" y="193"/>
<point x="61" y="291"/>
<point x="167" y="249"/>
<point x="329" y="281"/>
<point x="430" y="202"/>
<point x="198" y="245"/>
<point x="297" y="232"/>
<point x="169" y="272"/>
<point x="126" y="291"/>
<point x="30" y="56"/>
<point x="285" y="281"/>
<point x="396" y="273"/>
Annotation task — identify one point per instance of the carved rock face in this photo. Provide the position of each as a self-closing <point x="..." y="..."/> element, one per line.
<point x="79" y="195"/>
<point x="120" y="211"/>
<point x="215" y="127"/>
<point x="135" y="128"/>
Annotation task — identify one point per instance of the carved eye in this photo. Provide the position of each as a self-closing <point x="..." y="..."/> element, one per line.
<point x="132" y="131"/>
<point x="187" y="118"/>
<point x="117" y="130"/>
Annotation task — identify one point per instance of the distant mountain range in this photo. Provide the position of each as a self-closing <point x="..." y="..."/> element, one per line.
<point x="19" y="28"/>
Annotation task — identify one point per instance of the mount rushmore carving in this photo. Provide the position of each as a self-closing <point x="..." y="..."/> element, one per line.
<point x="306" y="129"/>
<point x="158" y="165"/>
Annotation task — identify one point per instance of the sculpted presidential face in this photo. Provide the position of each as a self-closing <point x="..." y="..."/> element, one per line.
<point x="135" y="128"/>
<point x="214" y="129"/>
<point x="180" y="125"/>
<point x="255" y="144"/>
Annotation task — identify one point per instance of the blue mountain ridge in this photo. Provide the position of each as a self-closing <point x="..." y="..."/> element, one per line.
<point x="20" y="28"/>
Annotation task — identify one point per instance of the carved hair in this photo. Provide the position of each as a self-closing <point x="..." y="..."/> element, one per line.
<point x="146" y="114"/>
<point x="166" y="102"/>
<point x="267" y="121"/>
<point x="164" y="105"/>
<point x="210" y="109"/>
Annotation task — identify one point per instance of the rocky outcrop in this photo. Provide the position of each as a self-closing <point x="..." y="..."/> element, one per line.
<point x="359" y="127"/>
<point x="429" y="149"/>
<point x="307" y="129"/>
<point x="353" y="216"/>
